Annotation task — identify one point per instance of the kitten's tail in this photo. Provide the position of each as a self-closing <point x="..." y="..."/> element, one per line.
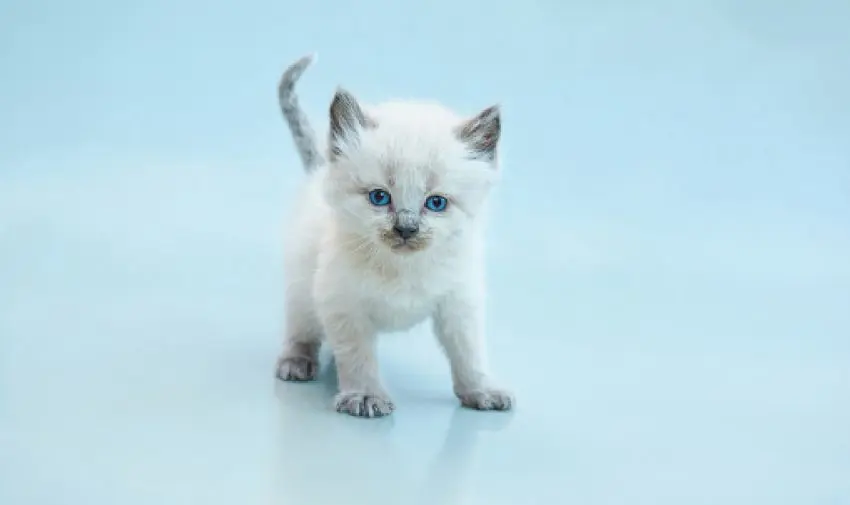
<point x="299" y="125"/>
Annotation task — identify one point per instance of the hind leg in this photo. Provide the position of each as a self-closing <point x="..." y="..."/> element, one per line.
<point x="299" y="359"/>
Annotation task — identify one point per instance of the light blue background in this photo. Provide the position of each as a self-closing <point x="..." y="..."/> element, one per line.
<point x="670" y="253"/>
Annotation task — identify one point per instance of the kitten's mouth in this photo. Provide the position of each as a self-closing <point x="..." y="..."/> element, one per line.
<point x="402" y="246"/>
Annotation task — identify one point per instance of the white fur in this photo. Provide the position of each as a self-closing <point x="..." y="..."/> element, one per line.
<point x="347" y="283"/>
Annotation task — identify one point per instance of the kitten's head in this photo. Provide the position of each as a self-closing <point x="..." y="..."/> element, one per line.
<point x="409" y="176"/>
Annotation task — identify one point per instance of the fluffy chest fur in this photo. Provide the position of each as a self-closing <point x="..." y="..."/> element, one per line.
<point x="395" y="304"/>
<point x="393" y="295"/>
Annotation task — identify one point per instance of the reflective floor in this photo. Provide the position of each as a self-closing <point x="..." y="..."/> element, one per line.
<point x="669" y="274"/>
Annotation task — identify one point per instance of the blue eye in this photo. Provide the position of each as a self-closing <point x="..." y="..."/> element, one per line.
<point x="436" y="203"/>
<point x="379" y="197"/>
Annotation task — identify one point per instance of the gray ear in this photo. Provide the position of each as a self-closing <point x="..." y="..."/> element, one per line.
<point x="481" y="133"/>
<point x="347" y="121"/>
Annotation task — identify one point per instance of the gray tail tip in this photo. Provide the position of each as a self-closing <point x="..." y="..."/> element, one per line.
<point x="294" y="71"/>
<point x="307" y="59"/>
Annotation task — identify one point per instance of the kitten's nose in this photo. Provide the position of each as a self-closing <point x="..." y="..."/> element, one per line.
<point x="406" y="231"/>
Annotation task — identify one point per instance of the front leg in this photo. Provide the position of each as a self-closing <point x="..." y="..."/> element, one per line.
<point x="353" y="342"/>
<point x="459" y="325"/>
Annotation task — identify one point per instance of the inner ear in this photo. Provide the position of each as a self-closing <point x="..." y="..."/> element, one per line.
<point x="347" y="121"/>
<point x="481" y="133"/>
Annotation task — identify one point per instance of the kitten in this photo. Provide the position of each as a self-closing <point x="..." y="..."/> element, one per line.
<point x="388" y="232"/>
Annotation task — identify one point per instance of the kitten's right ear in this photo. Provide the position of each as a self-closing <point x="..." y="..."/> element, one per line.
<point x="347" y="121"/>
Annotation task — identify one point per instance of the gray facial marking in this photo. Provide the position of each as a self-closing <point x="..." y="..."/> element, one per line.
<point x="407" y="220"/>
<point x="405" y="234"/>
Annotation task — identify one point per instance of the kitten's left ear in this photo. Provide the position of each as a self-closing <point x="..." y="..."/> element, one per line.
<point x="481" y="133"/>
<point x="347" y="121"/>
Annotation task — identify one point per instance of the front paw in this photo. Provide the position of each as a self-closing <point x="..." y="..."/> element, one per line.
<point x="297" y="368"/>
<point x="364" y="405"/>
<point x="486" y="399"/>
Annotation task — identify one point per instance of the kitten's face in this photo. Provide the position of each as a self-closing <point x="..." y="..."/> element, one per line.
<point x="405" y="178"/>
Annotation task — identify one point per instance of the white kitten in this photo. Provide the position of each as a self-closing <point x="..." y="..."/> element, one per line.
<point x="388" y="232"/>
